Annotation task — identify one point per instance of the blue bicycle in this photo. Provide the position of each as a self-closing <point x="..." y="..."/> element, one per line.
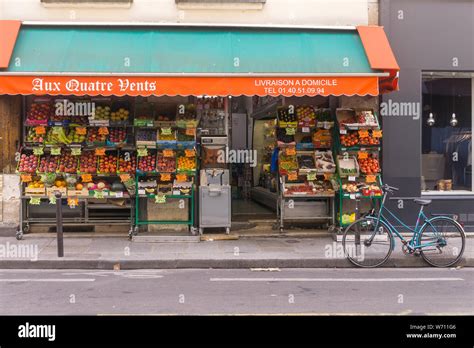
<point x="368" y="242"/>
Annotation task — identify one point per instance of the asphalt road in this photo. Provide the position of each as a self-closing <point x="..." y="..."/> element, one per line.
<point x="193" y="291"/>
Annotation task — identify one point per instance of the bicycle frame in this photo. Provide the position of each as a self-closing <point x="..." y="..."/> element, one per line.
<point x="411" y="244"/>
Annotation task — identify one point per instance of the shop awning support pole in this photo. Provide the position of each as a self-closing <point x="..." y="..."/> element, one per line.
<point x="59" y="224"/>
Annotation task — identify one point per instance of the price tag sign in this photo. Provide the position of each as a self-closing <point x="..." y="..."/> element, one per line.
<point x="189" y="153"/>
<point x="55" y="151"/>
<point x="25" y="178"/>
<point x="98" y="194"/>
<point x="81" y="130"/>
<point x="40" y="130"/>
<point x="326" y="125"/>
<point x="290" y="151"/>
<point x="311" y="176"/>
<point x="38" y="151"/>
<point x="342" y="131"/>
<point x="103" y="131"/>
<point x="181" y="177"/>
<point x="142" y="152"/>
<point x="100" y="151"/>
<point x="327" y="176"/>
<point x="190" y="131"/>
<point x="292" y="176"/>
<point x="124" y="177"/>
<point x="165" y="177"/>
<point x="351" y="178"/>
<point x="363" y="133"/>
<point x="377" y="133"/>
<point x="290" y="131"/>
<point x="119" y="194"/>
<point x="75" y="151"/>
<point x="168" y="153"/>
<point x="52" y="199"/>
<point x="72" y="202"/>
<point x="160" y="199"/>
<point x="362" y="155"/>
<point x="305" y="130"/>
<point x="370" y="179"/>
<point x="166" y="131"/>
<point x="86" y="178"/>
<point x="352" y="196"/>
<point x="35" y="201"/>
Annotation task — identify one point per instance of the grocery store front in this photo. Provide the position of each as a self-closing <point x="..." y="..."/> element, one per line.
<point x="169" y="101"/>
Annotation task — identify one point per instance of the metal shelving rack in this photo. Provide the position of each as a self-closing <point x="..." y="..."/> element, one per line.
<point x="83" y="213"/>
<point x="353" y="150"/>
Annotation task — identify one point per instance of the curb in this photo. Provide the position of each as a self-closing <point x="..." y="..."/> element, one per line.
<point x="206" y="263"/>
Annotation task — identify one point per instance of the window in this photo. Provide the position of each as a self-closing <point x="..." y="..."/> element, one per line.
<point x="447" y="132"/>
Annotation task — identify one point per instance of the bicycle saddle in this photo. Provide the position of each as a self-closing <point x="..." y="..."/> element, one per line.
<point x="422" y="201"/>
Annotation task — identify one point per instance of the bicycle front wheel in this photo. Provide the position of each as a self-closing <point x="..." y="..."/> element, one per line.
<point x="442" y="242"/>
<point x="366" y="243"/>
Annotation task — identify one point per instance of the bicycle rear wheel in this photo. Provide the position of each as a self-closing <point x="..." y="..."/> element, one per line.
<point x="448" y="241"/>
<point x="363" y="250"/>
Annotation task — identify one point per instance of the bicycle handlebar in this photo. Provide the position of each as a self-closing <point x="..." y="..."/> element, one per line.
<point x="389" y="188"/>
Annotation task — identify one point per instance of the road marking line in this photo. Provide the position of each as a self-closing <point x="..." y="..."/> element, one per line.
<point x="333" y="279"/>
<point x="47" y="280"/>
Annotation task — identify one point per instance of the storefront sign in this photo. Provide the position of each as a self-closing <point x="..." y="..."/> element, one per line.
<point x="174" y="85"/>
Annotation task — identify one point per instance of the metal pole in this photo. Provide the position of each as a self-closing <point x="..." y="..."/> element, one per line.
<point x="59" y="224"/>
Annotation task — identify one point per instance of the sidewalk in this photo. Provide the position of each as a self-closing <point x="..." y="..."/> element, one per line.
<point x="110" y="252"/>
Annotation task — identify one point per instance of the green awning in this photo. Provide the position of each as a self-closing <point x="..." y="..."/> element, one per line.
<point x="177" y="50"/>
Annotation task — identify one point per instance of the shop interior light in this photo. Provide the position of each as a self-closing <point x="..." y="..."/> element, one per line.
<point x="430" y="121"/>
<point x="454" y="121"/>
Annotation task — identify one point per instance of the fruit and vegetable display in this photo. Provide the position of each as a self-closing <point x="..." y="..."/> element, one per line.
<point x="162" y="136"/>
<point x="75" y="138"/>
<point x="33" y="137"/>
<point x="35" y="184"/>
<point x="306" y="161"/>
<point x="285" y="116"/>
<point x="93" y="136"/>
<point x="147" y="163"/>
<point x="119" y="115"/>
<point x="369" y="165"/>
<point x="361" y="188"/>
<point x="108" y="163"/>
<point x="299" y="189"/>
<point x="39" y="114"/>
<point x="28" y="163"/>
<point x="369" y="140"/>
<point x="186" y="163"/>
<point x="182" y="136"/>
<point x="348" y="166"/>
<point x="146" y="135"/>
<point x="67" y="163"/>
<point x="56" y="136"/>
<point x="127" y="163"/>
<point x="351" y="118"/>
<point x="166" y="164"/>
<point x="48" y="164"/>
<point x="324" y="162"/>
<point x="306" y="115"/>
<point x="350" y="139"/>
<point x="88" y="162"/>
<point x="118" y="135"/>
<point x="102" y="113"/>
<point x="287" y="163"/>
<point x="350" y="188"/>
<point x="322" y="139"/>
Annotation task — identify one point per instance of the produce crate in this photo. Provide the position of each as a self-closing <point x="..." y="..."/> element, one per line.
<point x="78" y="193"/>
<point x="349" y="164"/>
<point x="324" y="162"/>
<point x="52" y="190"/>
<point x="39" y="191"/>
